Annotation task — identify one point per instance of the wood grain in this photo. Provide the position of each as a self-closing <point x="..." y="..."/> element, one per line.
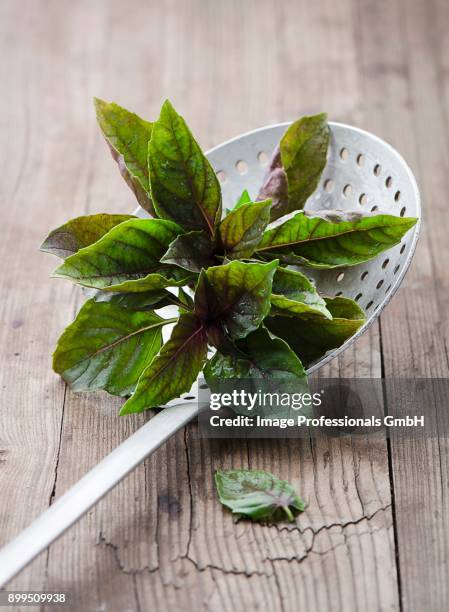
<point x="404" y="77"/>
<point x="160" y="540"/>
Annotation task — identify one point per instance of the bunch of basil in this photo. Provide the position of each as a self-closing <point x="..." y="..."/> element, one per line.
<point x="263" y="318"/>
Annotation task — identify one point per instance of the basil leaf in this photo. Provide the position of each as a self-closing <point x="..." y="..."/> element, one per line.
<point x="192" y="251"/>
<point x="107" y="347"/>
<point x="293" y="294"/>
<point x="79" y="233"/>
<point x="260" y="363"/>
<point x="137" y="301"/>
<point x="261" y="355"/>
<point x="242" y="229"/>
<point x="296" y="167"/>
<point x="174" y="370"/>
<point x="344" y="308"/>
<point x="257" y="494"/>
<point x="236" y="294"/>
<point x="184" y="186"/>
<point x="186" y="302"/>
<point x="245" y="198"/>
<point x="128" y="136"/>
<point x="165" y="277"/>
<point x="126" y="259"/>
<point x="311" y="338"/>
<point x="304" y="152"/>
<point x="275" y="186"/>
<point x="333" y="239"/>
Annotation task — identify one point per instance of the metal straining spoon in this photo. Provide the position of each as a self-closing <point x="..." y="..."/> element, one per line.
<point x="362" y="173"/>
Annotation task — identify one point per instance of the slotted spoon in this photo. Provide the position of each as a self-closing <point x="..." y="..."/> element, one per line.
<point x="362" y="173"/>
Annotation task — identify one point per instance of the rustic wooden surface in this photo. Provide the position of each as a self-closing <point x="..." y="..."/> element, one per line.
<point x="376" y="533"/>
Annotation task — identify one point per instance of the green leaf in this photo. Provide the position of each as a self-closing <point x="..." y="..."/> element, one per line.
<point x="296" y="167"/>
<point x="126" y="259"/>
<point x="237" y="295"/>
<point x="166" y="277"/>
<point x="79" y="233"/>
<point x="311" y="338"/>
<point x="184" y="186"/>
<point x="242" y="229"/>
<point x="192" y="251"/>
<point x="257" y="494"/>
<point x="260" y="363"/>
<point x="128" y="136"/>
<point x="293" y="294"/>
<point x="137" y="301"/>
<point x="261" y="355"/>
<point x="185" y="300"/>
<point x="245" y="198"/>
<point x="174" y="370"/>
<point x="333" y="239"/>
<point x="107" y="347"/>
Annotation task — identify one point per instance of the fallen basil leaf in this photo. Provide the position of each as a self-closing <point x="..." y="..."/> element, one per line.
<point x="294" y="294"/>
<point x="333" y="239"/>
<point x="79" y="233"/>
<point x="192" y="251"/>
<point x="128" y="136"/>
<point x="174" y="370"/>
<point x="242" y="229"/>
<point x="184" y="186"/>
<point x="126" y="259"/>
<point x="311" y="338"/>
<point x="236" y="294"/>
<point x="107" y="347"/>
<point x="296" y="167"/>
<point x="257" y="494"/>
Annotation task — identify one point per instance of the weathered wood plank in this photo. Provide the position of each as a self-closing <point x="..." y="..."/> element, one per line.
<point x="43" y="169"/>
<point x="402" y="59"/>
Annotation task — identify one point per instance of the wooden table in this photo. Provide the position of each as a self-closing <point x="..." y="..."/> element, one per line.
<point x="376" y="533"/>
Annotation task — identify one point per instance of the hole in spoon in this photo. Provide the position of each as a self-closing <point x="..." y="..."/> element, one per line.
<point x="263" y="158"/>
<point x="347" y="190"/>
<point x="329" y="185"/>
<point x="241" y="166"/>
